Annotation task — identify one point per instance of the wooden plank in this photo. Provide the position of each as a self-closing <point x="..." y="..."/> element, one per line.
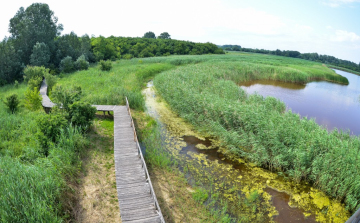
<point x="146" y="220"/>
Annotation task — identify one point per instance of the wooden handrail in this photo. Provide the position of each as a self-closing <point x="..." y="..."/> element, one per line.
<point x="144" y="164"/>
<point x="355" y="218"/>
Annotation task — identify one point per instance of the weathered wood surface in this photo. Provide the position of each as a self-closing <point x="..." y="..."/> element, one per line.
<point x="46" y="102"/>
<point x="355" y="218"/>
<point x="137" y="200"/>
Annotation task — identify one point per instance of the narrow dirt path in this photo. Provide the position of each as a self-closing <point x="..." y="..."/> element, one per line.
<point x="97" y="192"/>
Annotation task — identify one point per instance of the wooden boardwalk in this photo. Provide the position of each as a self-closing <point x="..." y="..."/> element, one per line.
<point x="137" y="199"/>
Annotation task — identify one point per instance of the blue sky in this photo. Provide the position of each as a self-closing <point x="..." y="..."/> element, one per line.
<point x="329" y="27"/>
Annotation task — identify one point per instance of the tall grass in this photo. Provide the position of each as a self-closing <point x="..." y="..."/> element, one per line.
<point x="34" y="188"/>
<point x="261" y="130"/>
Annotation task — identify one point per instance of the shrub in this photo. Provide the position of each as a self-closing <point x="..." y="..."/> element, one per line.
<point x="81" y="63"/>
<point x="50" y="81"/>
<point x="16" y="84"/>
<point x="32" y="99"/>
<point x="12" y="102"/>
<point x="34" y="72"/>
<point x="67" y="65"/>
<point x="127" y="56"/>
<point x="35" y="82"/>
<point x="81" y="114"/>
<point x="50" y="127"/>
<point x="105" y="65"/>
<point x="65" y="97"/>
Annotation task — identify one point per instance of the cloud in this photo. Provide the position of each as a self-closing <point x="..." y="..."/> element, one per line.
<point x="337" y="3"/>
<point x="345" y="36"/>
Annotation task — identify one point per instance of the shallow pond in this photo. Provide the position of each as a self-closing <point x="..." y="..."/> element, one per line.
<point x="332" y="105"/>
<point x="251" y="194"/>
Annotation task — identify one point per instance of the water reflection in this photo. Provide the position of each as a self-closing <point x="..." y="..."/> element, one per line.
<point x="332" y="105"/>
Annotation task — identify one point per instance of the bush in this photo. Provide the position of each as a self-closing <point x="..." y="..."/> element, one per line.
<point x="12" y="102"/>
<point x="65" y="97"/>
<point x="50" y="127"/>
<point x="105" y="65"/>
<point x="50" y="81"/>
<point x="32" y="99"/>
<point x="35" y="82"/>
<point x="81" y="63"/>
<point x="34" y="72"/>
<point x="127" y="56"/>
<point x="67" y="65"/>
<point x="81" y="114"/>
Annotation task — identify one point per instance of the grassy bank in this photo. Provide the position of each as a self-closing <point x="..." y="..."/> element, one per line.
<point x="344" y="69"/>
<point x="260" y="129"/>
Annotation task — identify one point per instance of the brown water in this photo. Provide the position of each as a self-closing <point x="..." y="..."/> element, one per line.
<point x="230" y="179"/>
<point x="332" y="105"/>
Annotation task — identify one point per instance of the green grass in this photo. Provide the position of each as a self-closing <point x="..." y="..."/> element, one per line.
<point x="207" y="95"/>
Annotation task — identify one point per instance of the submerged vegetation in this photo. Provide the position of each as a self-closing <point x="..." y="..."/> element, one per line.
<point x="260" y="129"/>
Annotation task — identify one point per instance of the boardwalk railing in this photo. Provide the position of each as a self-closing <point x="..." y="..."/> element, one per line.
<point x="144" y="165"/>
<point x="355" y="218"/>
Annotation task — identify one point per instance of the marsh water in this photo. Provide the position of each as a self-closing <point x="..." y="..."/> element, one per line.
<point x="232" y="180"/>
<point x="332" y="105"/>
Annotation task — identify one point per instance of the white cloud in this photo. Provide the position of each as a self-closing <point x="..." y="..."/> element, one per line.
<point x="345" y="36"/>
<point x="337" y="3"/>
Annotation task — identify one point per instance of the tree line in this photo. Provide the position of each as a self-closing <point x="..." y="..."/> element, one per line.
<point x="36" y="40"/>
<point x="326" y="59"/>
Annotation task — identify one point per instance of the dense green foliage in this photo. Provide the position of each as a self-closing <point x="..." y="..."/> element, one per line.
<point x="149" y="35"/>
<point x="105" y="65"/>
<point x="10" y="63"/>
<point x="326" y="59"/>
<point x="259" y="128"/>
<point x="81" y="114"/>
<point x="40" y="55"/>
<point x="32" y="98"/>
<point x="12" y="102"/>
<point x="81" y="63"/>
<point x="67" y="65"/>
<point x="50" y="80"/>
<point x="36" y="23"/>
<point x="39" y="154"/>
<point x="164" y="35"/>
<point x="34" y="72"/>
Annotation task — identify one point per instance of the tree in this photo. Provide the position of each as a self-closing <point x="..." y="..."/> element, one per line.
<point x="40" y="55"/>
<point x="10" y="63"/>
<point x="35" y="24"/>
<point x="164" y="35"/>
<point x="67" y="65"/>
<point x="150" y="35"/>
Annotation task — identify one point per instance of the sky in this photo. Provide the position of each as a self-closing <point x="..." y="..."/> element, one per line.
<point x="330" y="27"/>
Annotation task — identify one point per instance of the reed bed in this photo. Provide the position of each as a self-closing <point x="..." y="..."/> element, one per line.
<point x="260" y="129"/>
